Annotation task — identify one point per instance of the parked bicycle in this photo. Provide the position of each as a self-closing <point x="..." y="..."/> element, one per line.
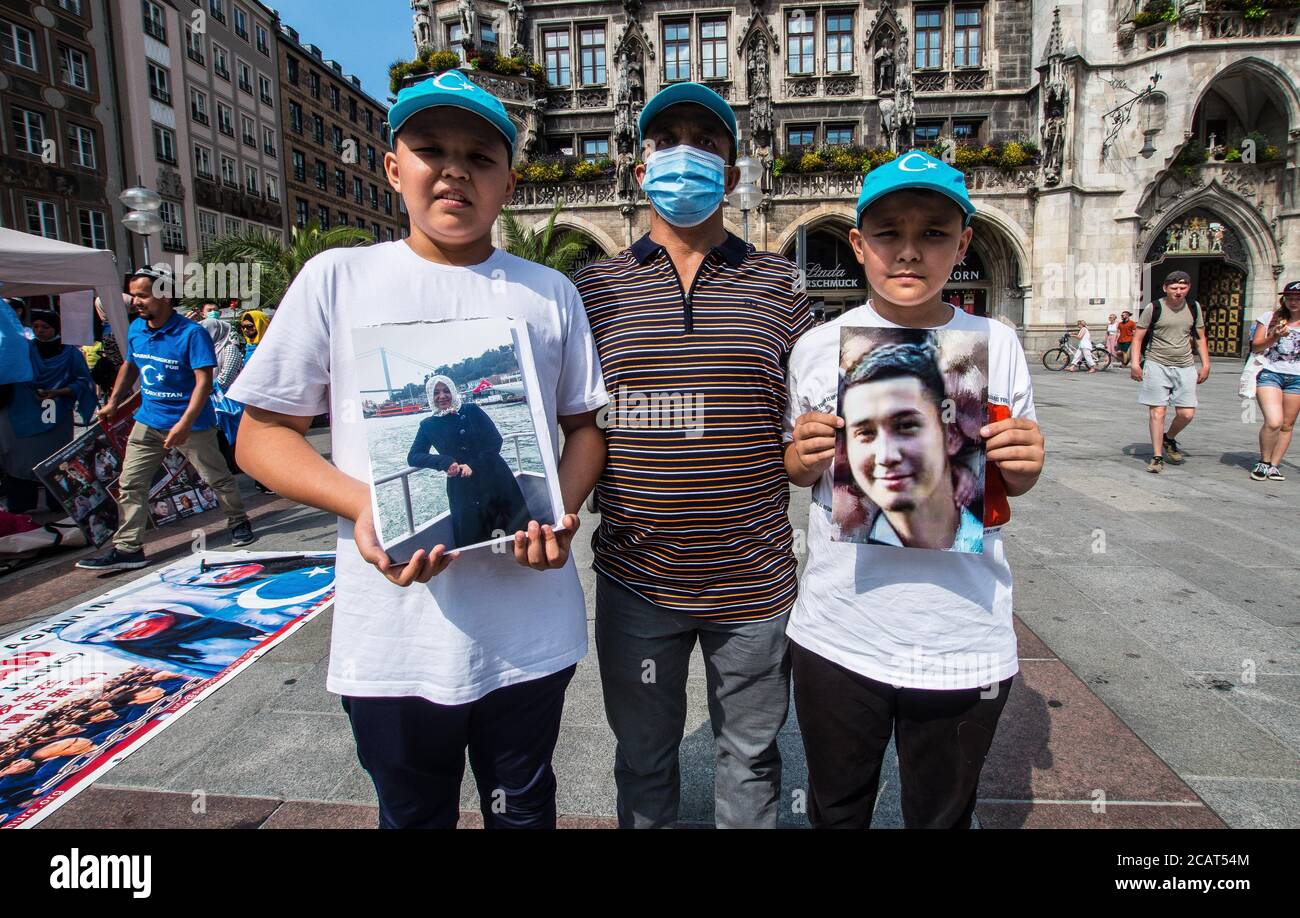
<point x="1060" y="357"/>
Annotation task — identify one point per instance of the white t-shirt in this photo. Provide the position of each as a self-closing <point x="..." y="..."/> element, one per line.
<point x="915" y="618"/>
<point x="486" y="621"/>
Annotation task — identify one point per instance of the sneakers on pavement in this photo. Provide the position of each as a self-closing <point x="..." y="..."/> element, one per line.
<point x="115" y="560"/>
<point x="1260" y="471"/>
<point x="1275" y="474"/>
<point x="1172" y="452"/>
<point x="1157" y="464"/>
<point x="242" y="534"/>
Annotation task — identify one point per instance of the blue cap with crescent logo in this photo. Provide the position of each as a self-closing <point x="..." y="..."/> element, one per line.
<point x="917" y="170"/>
<point x="454" y="89"/>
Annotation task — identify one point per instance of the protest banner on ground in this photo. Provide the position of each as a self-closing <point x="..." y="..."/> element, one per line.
<point x="85" y="688"/>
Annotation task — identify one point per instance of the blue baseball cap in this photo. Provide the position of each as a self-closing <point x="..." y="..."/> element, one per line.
<point x="916" y="169"/>
<point x="696" y="93"/>
<point x="453" y="89"/>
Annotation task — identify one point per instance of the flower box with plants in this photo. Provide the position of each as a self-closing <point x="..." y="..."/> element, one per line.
<point x="854" y="160"/>
<point x="554" y="169"/>
<point x="435" y="62"/>
<point x="1155" y="12"/>
<point x="1195" y="153"/>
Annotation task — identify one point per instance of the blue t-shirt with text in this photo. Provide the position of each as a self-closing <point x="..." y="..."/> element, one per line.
<point x="167" y="358"/>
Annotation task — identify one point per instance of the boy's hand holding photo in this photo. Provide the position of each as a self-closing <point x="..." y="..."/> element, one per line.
<point x="1016" y="445"/>
<point x="812" y="450"/>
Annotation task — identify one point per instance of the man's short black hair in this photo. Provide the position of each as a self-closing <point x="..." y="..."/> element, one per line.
<point x="1177" y="277"/>
<point x="904" y="358"/>
<point x="732" y="151"/>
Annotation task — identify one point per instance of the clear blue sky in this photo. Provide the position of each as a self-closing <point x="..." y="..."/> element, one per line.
<point x="364" y="36"/>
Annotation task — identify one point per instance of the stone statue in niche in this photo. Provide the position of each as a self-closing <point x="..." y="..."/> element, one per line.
<point x="884" y="64"/>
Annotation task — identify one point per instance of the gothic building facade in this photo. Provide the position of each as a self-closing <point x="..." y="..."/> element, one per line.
<point x="1092" y="178"/>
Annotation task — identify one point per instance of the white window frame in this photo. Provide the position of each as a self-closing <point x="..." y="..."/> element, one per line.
<point x="83" y="143"/>
<point x="13" y="46"/>
<point x="98" y="238"/>
<point x="30" y="137"/>
<point x="203" y="161"/>
<point x="68" y="68"/>
<point x="47" y="212"/>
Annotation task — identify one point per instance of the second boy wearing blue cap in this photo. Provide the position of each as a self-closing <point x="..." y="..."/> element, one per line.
<point x="913" y="227"/>
<point x="873" y="636"/>
<point x="919" y="171"/>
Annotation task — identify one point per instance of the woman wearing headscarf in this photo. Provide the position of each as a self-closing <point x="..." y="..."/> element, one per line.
<point x="29" y="431"/>
<point x="230" y="360"/>
<point x="230" y="357"/>
<point x="252" y="325"/>
<point x="484" y="497"/>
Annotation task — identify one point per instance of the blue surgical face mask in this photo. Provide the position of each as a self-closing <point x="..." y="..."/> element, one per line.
<point x="684" y="184"/>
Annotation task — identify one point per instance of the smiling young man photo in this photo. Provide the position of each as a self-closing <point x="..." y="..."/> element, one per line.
<point x="900" y="450"/>
<point x="449" y="652"/>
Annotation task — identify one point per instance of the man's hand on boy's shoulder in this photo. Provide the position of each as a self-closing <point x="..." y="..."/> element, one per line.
<point x="543" y="548"/>
<point x="423" y="566"/>
<point x="1016" y="445"/>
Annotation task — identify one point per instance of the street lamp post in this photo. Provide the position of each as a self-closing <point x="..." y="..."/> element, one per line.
<point x="747" y="195"/>
<point x="142" y="218"/>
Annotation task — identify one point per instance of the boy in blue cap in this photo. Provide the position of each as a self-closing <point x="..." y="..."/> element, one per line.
<point x="919" y="646"/>
<point x="438" y="655"/>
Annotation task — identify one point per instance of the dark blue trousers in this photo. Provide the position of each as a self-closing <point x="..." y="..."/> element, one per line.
<point x="414" y="751"/>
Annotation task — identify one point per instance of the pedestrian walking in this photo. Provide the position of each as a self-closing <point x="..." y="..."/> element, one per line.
<point x="1084" y="352"/>
<point x="1277" y="387"/>
<point x="173" y="359"/>
<point x="1126" y="328"/>
<point x="1112" y="336"/>
<point x="1170" y="336"/>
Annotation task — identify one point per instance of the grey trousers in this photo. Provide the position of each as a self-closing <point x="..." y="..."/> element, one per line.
<point x="644" y="652"/>
<point x="144" y="455"/>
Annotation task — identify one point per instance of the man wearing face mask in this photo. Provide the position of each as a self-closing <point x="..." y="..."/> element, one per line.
<point x="694" y="327"/>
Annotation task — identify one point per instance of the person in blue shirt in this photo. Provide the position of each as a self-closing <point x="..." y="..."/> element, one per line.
<point x="173" y="359"/>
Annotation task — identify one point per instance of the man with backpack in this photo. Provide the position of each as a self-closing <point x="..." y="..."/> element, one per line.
<point x="1170" y="334"/>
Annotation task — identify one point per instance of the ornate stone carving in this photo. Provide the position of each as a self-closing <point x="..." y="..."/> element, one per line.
<point x="518" y="19"/>
<point x="970" y="80"/>
<point x="840" y="85"/>
<point x="422" y="25"/>
<point x="1056" y="95"/>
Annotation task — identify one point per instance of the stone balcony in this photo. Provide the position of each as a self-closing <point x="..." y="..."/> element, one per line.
<point x="569" y="194"/>
<point x="814" y="185"/>
<point x="1207" y="27"/>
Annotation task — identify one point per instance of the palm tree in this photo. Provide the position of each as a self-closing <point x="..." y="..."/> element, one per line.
<point x="279" y="263"/>
<point x="559" y="251"/>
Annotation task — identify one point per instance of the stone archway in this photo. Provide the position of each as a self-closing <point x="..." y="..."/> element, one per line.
<point x="1211" y="250"/>
<point x="834" y="281"/>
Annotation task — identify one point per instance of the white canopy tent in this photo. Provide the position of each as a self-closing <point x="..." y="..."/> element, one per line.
<point x="35" y="266"/>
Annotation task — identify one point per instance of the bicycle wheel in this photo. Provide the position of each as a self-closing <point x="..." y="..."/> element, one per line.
<point x="1057" y="359"/>
<point x="1103" y="358"/>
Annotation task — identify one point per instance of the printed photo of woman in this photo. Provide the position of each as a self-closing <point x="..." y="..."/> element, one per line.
<point x="460" y="439"/>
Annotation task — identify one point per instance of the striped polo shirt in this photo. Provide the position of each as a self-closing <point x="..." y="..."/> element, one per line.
<point x="694" y="495"/>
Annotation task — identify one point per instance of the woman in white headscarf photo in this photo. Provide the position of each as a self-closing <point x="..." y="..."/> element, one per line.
<point x="461" y="440"/>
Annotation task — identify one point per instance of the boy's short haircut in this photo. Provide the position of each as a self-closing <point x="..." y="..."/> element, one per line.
<point x="908" y="358"/>
<point x="1177" y="277"/>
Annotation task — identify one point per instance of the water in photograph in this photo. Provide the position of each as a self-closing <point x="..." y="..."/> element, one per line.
<point x="390" y="439"/>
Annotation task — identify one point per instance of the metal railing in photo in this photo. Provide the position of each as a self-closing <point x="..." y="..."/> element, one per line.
<point x="404" y="476"/>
